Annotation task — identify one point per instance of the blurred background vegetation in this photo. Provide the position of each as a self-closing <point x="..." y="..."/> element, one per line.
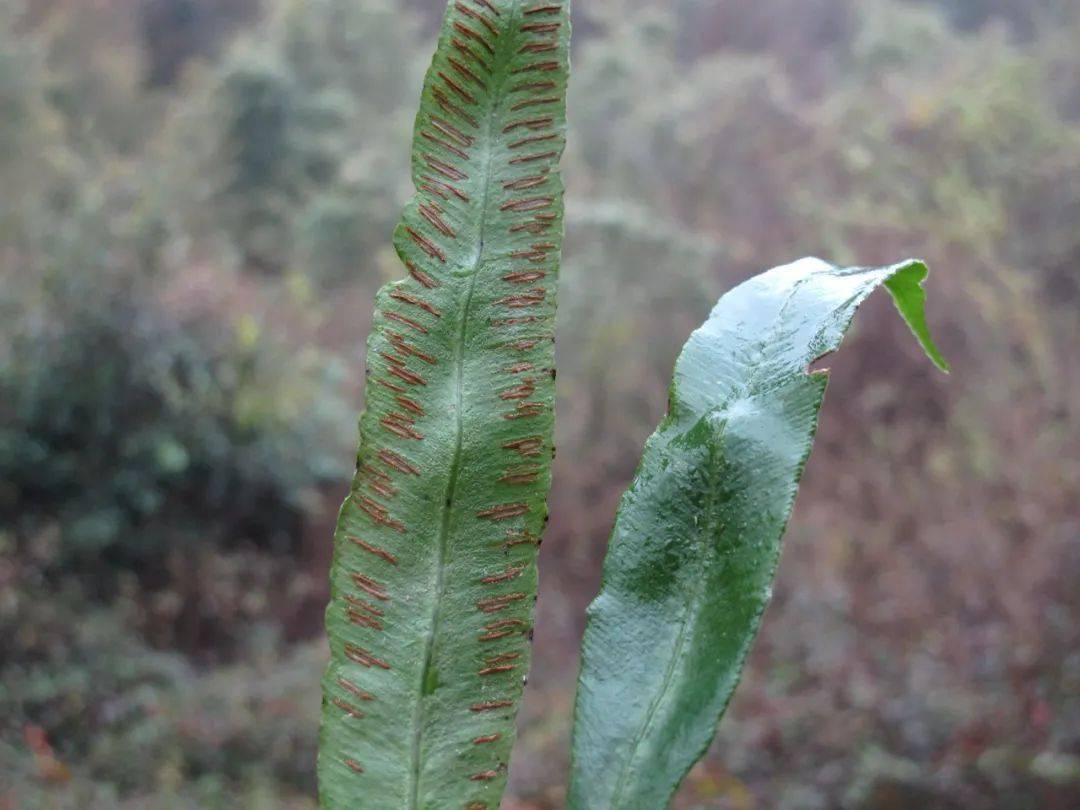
<point x="196" y="199"/>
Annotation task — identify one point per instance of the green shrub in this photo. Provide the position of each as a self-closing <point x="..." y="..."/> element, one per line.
<point x="130" y="432"/>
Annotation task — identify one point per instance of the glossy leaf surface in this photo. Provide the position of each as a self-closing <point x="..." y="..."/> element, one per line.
<point x="433" y="578"/>
<point x="697" y="538"/>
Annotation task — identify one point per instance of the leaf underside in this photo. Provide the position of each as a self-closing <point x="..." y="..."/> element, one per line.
<point x="697" y="537"/>
<point x="433" y="579"/>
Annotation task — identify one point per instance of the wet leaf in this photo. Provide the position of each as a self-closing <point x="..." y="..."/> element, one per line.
<point x="697" y="538"/>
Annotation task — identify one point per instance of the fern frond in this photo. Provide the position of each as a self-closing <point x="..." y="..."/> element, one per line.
<point x="434" y="578"/>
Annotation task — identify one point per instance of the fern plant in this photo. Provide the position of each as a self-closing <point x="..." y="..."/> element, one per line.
<point x="433" y="578"/>
<point x="697" y="537"/>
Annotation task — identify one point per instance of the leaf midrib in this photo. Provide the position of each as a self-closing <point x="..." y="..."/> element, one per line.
<point x="498" y="93"/>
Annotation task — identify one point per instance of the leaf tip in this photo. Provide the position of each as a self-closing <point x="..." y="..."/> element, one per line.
<point x="906" y="286"/>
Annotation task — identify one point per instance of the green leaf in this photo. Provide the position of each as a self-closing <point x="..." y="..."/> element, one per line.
<point x="434" y="577"/>
<point x="697" y="538"/>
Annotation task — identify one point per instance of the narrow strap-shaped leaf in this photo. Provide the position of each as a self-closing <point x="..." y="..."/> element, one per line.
<point x="697" y="538"/>
<point x="433" y="578"/>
